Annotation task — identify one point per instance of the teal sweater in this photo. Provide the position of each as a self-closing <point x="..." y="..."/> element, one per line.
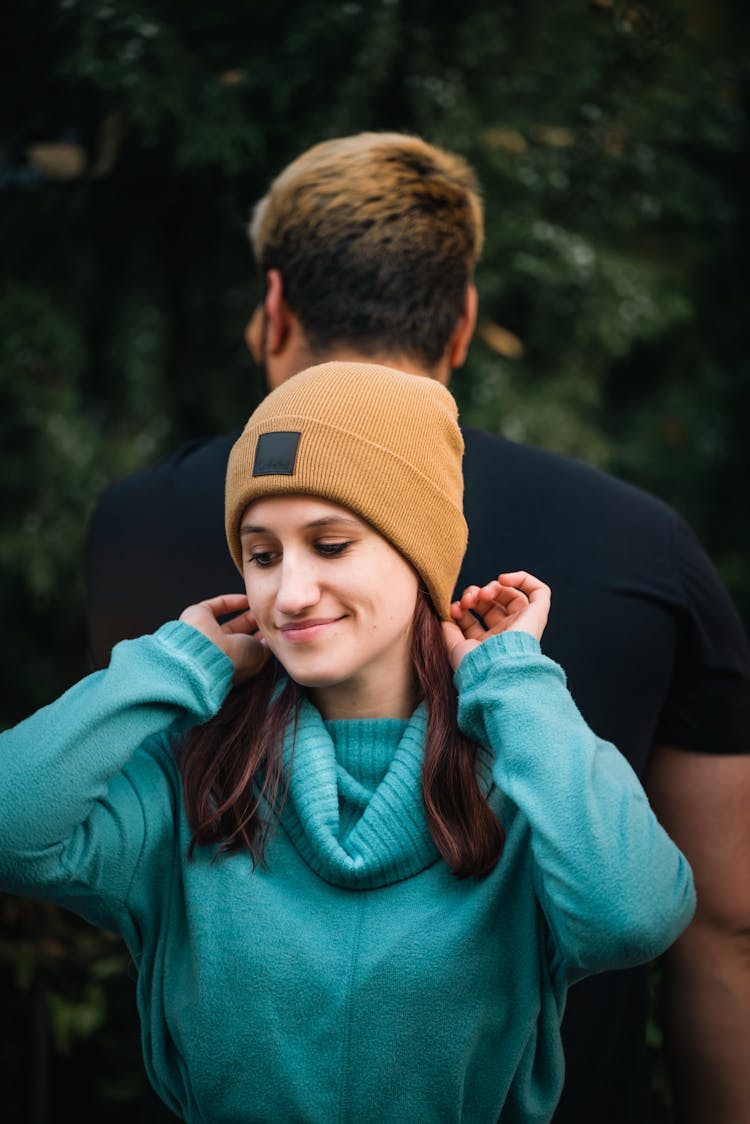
<point x="354" y="979"/>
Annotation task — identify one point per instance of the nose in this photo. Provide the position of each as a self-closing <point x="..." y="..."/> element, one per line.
<point x="298" y="588"/>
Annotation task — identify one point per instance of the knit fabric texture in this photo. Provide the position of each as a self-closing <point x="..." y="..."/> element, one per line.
<point x="353" y="977"/>
<point x="383" y="443"/>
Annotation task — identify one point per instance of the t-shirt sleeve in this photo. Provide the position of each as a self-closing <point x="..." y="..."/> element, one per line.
<point x="708" y="708"/>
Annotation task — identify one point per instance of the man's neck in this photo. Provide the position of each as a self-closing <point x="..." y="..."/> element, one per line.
<point x="394" y="359"/>
<point x="302" y="357"/>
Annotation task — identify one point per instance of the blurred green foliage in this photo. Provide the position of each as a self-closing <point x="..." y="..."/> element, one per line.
<point x="611" y="141"/>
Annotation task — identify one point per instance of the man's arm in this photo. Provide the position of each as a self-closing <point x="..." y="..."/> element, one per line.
<point x="703" y="801"/>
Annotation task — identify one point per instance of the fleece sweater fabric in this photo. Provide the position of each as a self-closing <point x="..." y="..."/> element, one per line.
<point x="352" y="978"/>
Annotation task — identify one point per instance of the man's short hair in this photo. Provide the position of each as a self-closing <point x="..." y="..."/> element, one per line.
<point x="376" y="237"/>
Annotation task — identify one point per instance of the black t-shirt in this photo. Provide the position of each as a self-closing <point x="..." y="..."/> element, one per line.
<point x="651" y="644"/>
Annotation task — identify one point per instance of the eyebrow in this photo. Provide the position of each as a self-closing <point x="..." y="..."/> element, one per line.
<point x="325" y="521"/>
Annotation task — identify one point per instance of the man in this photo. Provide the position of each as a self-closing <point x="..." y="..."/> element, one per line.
<point x="367" y="246"/>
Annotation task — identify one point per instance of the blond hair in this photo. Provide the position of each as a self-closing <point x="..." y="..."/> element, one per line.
<point x="376" y="237"/>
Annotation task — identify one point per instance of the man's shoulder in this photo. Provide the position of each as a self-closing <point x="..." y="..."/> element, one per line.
<point x="554" y="481"/>
<point x="155" y="543"/>
<point x="641" y="622"/>
<point x="200" y="463"/>
<point x="161" y="511"/>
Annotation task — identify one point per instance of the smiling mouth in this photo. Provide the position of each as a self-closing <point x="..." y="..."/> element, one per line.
<point x="296" y="632"/>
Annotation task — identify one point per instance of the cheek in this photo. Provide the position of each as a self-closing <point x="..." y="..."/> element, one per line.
<point x="399" y="598"/>
<point x="263" y="617"/>
<point x="257" y="594"/>
<point x="384" y="585"/>
<point x="248" y="587"/>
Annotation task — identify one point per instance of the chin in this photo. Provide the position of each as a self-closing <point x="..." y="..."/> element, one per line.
<point x="318" y="681"/>
<point x="312" y="677"/>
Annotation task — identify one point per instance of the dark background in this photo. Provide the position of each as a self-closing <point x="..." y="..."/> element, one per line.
<point x="611" y="141"/>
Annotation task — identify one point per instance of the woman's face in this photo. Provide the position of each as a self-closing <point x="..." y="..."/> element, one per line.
<point x="335" y="603"/>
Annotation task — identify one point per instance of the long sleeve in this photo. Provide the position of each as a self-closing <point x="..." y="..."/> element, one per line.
<point x="80" y="795"/>
<point x="614" y="888"/>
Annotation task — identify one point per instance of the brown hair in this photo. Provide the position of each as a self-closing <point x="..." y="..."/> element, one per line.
<point x="232" y="765"/>
<point x="376" y="237"/>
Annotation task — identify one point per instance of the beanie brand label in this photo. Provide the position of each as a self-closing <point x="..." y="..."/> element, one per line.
<point x="275" y="454"/>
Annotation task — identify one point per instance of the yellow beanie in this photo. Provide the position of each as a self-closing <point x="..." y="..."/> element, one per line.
<point x="383" y="443"/>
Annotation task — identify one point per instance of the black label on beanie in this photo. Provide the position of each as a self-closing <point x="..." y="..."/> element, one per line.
<point x="275" y="454"/>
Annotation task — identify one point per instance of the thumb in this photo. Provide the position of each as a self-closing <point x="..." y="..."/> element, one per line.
<point x="456" y="643"/>
<point x="248" y="654"/>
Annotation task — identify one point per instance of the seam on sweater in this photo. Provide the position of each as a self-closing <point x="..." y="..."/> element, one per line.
<point x="546" y="912"/>
<point x="118" y="905"/>
<point x="344" y="1083"/>
<point x="163" y="755"/>
<point x="136" y="865"/>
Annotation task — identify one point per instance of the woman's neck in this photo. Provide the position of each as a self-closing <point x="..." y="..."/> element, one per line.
<point x="367" y="700"/>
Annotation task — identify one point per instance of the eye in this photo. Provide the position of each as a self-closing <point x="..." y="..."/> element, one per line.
<point x="261" y="558"/>
<point x="331" y="549"/>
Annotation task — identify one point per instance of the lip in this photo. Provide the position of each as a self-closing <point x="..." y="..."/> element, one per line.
<point x="298" y="632"/>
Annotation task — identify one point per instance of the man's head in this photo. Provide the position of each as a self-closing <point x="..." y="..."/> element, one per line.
<point x="370" y="243"/>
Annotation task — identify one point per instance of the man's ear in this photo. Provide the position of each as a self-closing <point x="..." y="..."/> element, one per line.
<point x="269" y="328"/>
<point x="255" y="331"/>
<point x="458" y="345"/>
<point x="277" y="314"/>
<point x="274" y="335"/>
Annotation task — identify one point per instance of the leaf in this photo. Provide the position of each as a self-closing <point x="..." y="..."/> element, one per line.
<point x="57" y="160"/>
<point x="502" y="341"/>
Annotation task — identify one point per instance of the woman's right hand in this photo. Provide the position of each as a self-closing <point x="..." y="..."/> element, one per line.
<point x="238" y="637"/>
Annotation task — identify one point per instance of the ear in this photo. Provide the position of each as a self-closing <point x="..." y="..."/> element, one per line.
<point x="269" y="327"/>
<point x="274" y="335"/>
<point x="255" y="331"/>
<point x="277" y="314"/>
<point x="458" y="345"/>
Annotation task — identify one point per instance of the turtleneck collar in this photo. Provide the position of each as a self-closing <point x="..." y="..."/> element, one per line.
<point x="354" y="807"/>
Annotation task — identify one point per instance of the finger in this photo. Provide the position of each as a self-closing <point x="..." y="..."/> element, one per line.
<point x="474" y="611"/>
<point x="495" y="603"/>
<point x="534" y="617"/>
<point x="469" y="596"/>
<point x="474" y="595"/>
<point x="248" y="655"/>
<point x="225" y="603"/>
<point x="494" y="592"/>
<point x="242" y="623"/>
<point x="475" y="598"/>
<point x="471" y="628"/>
<point x="538" y="593"/>
<point x="456" y="643"/>
<point x="522" y="580"/>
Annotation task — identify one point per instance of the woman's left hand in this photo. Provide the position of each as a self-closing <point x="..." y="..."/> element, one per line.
<point x="515" y="602"/>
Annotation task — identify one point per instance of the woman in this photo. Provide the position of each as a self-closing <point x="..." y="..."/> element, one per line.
<point x="357" y="892"/>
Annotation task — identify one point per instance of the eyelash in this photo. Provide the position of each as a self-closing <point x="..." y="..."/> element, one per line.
<point x="255" y="559"/>
<point x="331" y="549"/>
<point x="265" y="558"/>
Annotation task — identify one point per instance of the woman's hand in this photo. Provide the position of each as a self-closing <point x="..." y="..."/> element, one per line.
<point x="237" y="637"/>
<point x="515" y="602"/>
